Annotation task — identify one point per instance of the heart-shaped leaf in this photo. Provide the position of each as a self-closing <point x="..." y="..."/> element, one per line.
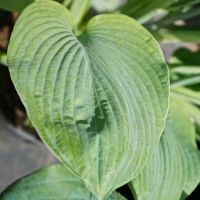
<point x="54" y="183"/>
<point x="174" y="167"/>
<point x="98" y="100"/>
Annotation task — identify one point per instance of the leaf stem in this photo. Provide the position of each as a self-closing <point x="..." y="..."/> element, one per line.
<point x="186" y="69"/>
<point x="78" y="9"/>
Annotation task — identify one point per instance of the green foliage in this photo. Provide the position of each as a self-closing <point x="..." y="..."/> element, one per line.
<point x="139" y="8"/>
<point x="185" y="75"/>
<point x="185" y="81"/>
<point x="174" y="166"/>
<point x="3" y="58"/>
<point x="78" y="10"/>
<point x="97" y="92"/>
<point x="14" y="5"/>
<point x="105" y="5"/>
<point x="185" y="56"/>
<point x="95" y="122"/>
<point x="51" y="183"/>
<point x="178" y="34"/>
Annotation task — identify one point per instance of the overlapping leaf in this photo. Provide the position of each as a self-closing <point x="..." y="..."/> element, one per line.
<point x="98" y="100"/>
<point x="51" y="183"/>
<point x="174" y="167"/>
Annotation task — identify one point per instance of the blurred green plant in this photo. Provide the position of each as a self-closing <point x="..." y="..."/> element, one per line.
<point x="3" y="58"/>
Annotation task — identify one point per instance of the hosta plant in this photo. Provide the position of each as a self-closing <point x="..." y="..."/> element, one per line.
<point x="97" y="93"/>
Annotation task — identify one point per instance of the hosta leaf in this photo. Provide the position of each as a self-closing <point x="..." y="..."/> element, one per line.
<point x="14" y="5"/>
<point x="51" y="183"/>
<point x="98" y="100"/>
<point x="174" y="167"/>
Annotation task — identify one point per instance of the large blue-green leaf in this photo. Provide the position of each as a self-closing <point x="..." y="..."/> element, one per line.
<point x="52" y="183"/>
<point x="174" y="166"/>
<point x="98" y="100"/>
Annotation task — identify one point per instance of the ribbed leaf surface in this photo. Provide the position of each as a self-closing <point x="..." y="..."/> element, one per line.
<point x="53" y="183"/>
<point x="174" y="167"/>
<point x="98" y="100"/>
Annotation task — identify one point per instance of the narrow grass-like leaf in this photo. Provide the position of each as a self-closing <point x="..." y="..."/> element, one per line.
<point x="180" y="4"/>
<point x="178" y="34"/>
<point x="173" y="16"/>
<point x="52" y="183"/>
<point x="79" y="9"/>
<point x="174" y="166"/>
<point x="139" y="8"/>
<point x="66" y="2"/>
<point x="186" y="82"/>
<point x="98" y="100"/>
<point x="186" y="95"/>
<point x="186" y="70"/>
